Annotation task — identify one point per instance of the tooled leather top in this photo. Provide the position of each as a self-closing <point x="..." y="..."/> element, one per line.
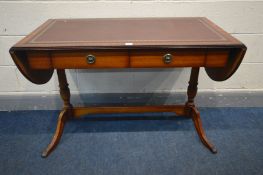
<point x="121" y="32"/>
<point x="127" y="33"/>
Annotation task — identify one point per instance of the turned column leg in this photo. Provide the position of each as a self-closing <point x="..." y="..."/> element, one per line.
<point x="192" y="111"/>
<point x="64" y="89"/>
<point x="192" y="87"/>
<point x="64" y="114"/>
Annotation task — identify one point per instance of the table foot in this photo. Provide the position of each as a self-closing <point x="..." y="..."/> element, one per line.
<point x="201" y="133"/>
<point x="58" y="133"/>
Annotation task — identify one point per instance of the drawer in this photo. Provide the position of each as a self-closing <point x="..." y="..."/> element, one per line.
<point x="136" y="59"/>
<point x="90" y="60"/>
<point x="154" y="59"/>
<point x="81" y="59"/>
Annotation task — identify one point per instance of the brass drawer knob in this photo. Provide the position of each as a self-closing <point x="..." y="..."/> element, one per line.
<point x="91" y="59"/>
<point x="167" y="58"/>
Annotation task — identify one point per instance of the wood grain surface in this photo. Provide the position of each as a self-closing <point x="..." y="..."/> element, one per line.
<point x="128" y="43"/>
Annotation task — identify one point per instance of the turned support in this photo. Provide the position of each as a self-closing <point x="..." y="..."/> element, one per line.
<point x="63" y="88"/>
<point x="192" y="87"/>
<point x="191" y="110"/>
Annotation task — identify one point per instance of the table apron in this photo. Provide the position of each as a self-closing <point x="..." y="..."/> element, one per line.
<point x="140" y="59"/>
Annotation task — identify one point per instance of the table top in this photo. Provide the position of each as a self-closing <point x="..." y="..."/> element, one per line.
<point x="185" y="37"/>
<point x="128" y="33"/>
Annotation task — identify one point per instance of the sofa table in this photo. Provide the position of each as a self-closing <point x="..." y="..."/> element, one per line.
<point x="127" y="43"/>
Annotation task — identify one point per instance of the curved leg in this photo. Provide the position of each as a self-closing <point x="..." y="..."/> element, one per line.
<point x="58" y="133"/>
<point x="192" y="111"/>
<point x="65" y="114"/>
<point x="201" y="133"/>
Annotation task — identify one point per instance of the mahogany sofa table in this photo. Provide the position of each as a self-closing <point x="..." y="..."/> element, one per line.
<point x="127" y="43"/>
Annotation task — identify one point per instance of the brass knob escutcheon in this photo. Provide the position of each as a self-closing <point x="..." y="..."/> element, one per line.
<point x="167" y="58"/>
<point x="91" y="59"/>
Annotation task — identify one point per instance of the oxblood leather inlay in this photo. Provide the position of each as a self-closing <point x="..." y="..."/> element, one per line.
<point x="128" y="32"/>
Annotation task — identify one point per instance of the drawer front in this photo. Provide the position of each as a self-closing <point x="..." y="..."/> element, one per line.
<point x="90" y="60"/>
<point x="147" y="59"/>
<point x="136" y="59"/>
<point x="77" y="60"/>
<point x="167" y="59"/>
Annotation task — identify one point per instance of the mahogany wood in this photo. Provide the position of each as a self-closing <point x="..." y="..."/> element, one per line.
<point x="186" y="58"/>
<point x="80" y="111"/>
<point x="130" y="35"/>
<point x="187" y="110"/>
<point x="155" y="59"/>
<point x="127" y="43"/>
<point x="139" y="59"/>
<point x="64" y="115"/>
<point x="199" y="128"/>
<point x="192" y="87"/>
<point x="63" y="87"/>
<point x="216" y="59"/>
<point x="102" y="60"/>
<point x="58" y="133"/>
<point x="192" y="111"/>
<point x="34" y="75"/>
